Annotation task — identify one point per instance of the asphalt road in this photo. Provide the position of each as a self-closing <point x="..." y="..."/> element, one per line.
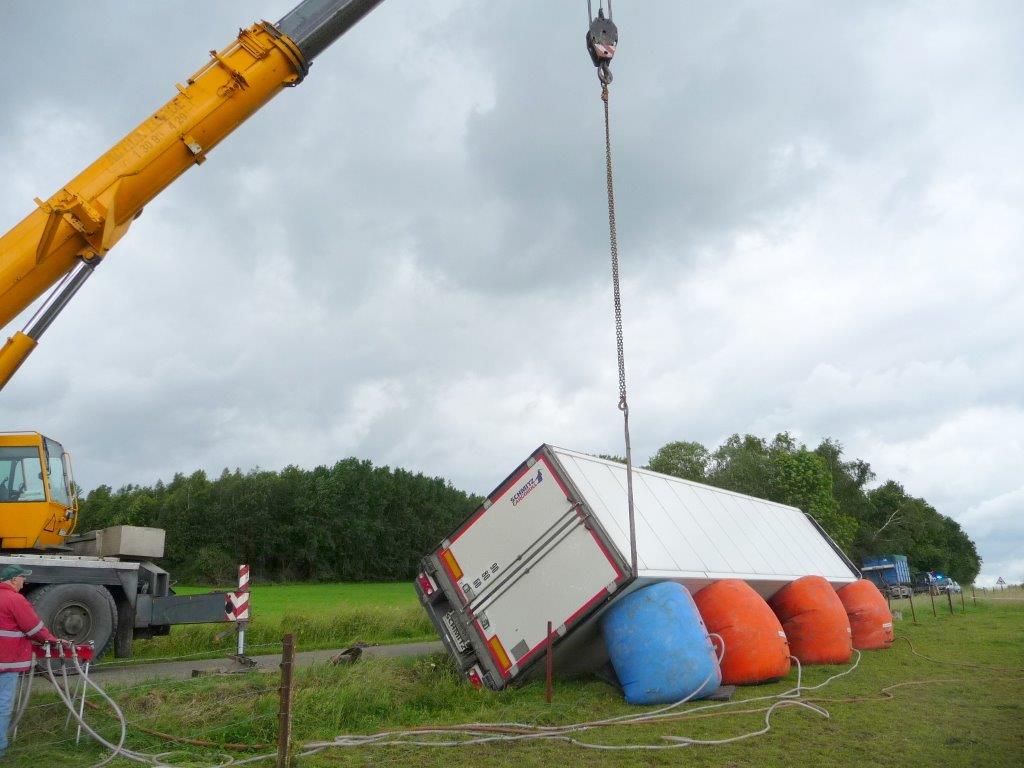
<point x="183" y="670"/>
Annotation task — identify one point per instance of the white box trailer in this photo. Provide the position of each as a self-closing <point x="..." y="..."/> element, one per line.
<point x="551" y="543"/>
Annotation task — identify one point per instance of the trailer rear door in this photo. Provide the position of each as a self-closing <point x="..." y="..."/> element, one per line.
<point x="531" y="554"/>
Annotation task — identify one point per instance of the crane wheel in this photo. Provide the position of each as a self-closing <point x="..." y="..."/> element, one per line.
<point x="78" y="612"/>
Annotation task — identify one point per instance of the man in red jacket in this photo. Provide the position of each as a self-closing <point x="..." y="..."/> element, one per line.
<point x="20" y="627"/>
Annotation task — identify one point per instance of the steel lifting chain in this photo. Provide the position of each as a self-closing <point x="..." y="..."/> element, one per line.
<point x="602" y="40"/>
<point x="613" y="238"/>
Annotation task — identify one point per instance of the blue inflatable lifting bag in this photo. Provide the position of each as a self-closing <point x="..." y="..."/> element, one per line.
<point x="659" y="646"/>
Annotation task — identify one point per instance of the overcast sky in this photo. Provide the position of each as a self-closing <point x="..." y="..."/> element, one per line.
<point x="405" y="258"/>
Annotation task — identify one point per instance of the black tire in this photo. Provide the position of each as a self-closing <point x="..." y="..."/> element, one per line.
<point x="78" y="612"/>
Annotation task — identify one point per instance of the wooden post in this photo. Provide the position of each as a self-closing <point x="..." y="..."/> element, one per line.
<point x="949" y="596"/>
<point x="931" y="595"/>
<point x="549" y="690"/>
<point x="974" y="597"/>
<point x="284" y="712"/>
<point x="963" y="603"/>
<point x="912" y="611"/>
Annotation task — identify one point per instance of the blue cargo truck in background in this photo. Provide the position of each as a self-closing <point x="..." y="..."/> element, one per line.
<point x="890" y="573"/>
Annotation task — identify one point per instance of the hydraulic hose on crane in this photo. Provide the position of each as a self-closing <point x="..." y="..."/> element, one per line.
<point x="68" y="234"/>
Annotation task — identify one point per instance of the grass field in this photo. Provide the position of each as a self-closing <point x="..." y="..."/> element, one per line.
<point x="941" y="713"/>
<point x="320" y="616"/>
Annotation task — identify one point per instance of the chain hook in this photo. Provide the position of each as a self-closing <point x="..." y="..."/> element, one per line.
<point x="602" y="39"/>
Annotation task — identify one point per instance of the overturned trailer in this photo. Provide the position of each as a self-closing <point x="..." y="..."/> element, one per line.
<point x="551" y="544"/>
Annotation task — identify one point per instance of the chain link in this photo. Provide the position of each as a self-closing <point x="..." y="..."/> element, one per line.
<point x="619" y="344"/>
<point x="614" y="241"/>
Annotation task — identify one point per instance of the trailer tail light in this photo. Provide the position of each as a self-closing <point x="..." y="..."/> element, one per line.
<point x="475" y="677"/>
<point x="499" y="653"/>
<point x="453" y="567"/>
<point x="427" y="584"/>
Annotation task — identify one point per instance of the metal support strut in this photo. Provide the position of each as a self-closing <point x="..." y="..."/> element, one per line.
<point x="19" y="346"/>
<point x="58" y="300"/>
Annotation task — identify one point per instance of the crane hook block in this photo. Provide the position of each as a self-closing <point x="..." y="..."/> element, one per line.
<point x="602" y="38"/>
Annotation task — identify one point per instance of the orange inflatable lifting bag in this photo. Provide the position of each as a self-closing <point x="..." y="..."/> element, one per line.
<point x="755" y="645"/>
<point x="870" y="619"/>
<point x="814" y="620"/>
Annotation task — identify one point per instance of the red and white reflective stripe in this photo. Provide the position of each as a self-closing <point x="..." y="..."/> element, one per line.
<point x="237" y="608"/>
<point x="242" y="595"/>
<point x="238" y="602"/>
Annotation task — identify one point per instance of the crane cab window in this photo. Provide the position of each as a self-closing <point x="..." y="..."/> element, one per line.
<point x="58" y="473"/>
<point x="21" y="474"/>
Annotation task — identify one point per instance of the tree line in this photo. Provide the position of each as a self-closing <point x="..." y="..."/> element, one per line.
<point x="349" y="522"/>
<point x="862" y="518"/>
<point x="357" y="522"/>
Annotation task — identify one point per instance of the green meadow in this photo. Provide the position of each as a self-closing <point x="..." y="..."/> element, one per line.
<point x="963" y="706"/>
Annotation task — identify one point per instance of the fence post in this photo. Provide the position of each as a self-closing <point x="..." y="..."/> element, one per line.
<point x="974" y="597"/>
<point x="949" y="596"/>
<point x="549" y="690"/>
<point x="963" y="603"/>
<point x="931" y="595"/>
<point x="284" y="712"/>
<point x="912" y="611"/>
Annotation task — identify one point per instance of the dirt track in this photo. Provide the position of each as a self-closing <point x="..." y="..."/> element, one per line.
<point x="182" y="670"/>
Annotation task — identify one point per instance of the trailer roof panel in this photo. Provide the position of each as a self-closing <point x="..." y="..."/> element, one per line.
<point x="690" y="528"/>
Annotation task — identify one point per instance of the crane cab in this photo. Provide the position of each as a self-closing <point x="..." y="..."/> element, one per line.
<point x="38" y="506"/>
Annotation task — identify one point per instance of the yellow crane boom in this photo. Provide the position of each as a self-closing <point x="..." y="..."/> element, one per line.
<point x="68" y="234"/>
<point x="110" y="594"/>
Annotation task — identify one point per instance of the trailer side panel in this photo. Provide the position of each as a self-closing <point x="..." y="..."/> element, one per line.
<point x="697" y="534"/>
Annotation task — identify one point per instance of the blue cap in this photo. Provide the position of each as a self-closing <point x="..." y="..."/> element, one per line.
<point x="13" y="571"/>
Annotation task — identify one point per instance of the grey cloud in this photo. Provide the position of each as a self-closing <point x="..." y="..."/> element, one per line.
<point x="405" y="257"/>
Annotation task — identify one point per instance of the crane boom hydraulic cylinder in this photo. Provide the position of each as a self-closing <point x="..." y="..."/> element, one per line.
<point x="314" y="24"/>
<point x="87" y="217"/>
